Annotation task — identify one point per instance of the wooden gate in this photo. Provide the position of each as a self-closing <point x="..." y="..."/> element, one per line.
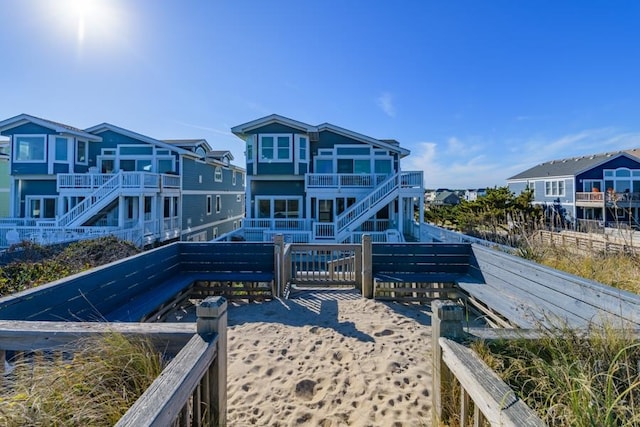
<point x="323" y="265"/>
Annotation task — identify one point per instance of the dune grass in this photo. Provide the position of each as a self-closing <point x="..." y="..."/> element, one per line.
<point x="619" y="270"/>
<point x="572" y="378"/>
<point x="105" y="376"/>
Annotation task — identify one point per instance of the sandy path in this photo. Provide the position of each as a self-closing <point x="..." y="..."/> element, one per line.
<point x="329" y="358"/>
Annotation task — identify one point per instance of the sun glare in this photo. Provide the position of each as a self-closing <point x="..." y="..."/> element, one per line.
<point x="92" y="21"/>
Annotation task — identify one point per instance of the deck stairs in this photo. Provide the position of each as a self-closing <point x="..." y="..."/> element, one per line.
<point x="93" y="203"/>
<point x="361" y="211"/>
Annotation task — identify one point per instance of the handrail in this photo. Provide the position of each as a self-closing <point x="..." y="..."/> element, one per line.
<point x="103" y="191"/>
<point x="199" y="362"/>
<point x="494" y="400"/>
<point x="364" y="206"/>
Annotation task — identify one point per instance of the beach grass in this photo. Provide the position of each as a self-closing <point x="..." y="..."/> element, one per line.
<point x="572" y="378"/>
<point x="95" y="386"/>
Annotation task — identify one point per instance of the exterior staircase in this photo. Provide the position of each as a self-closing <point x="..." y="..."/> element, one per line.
<point x="92" y="204"/>
<point x="361" y="211"/>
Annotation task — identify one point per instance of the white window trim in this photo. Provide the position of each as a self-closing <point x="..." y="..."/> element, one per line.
<point x="14" y="148"/>
<point x="271" y="205"/>
<point x="29" y="199"/>
<point x="209" y="207"/>
<point x="218" y="203"/>
<point x="557" y="193"/>
<point x="251" y="141"/>
<point x="275" y="137"/>
<point x="217" y="175"/>
<point x="299" y="145"/>
<point x="86" y="152"/>
<point x="233" y="178"/>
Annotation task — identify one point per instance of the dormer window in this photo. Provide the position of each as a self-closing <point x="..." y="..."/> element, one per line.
<point x="200" y="152"/>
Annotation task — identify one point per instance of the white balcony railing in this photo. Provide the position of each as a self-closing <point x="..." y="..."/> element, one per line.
<point x="343" y="180"/>
<point x="90" y="182"/>
<point x="283" y="224"/>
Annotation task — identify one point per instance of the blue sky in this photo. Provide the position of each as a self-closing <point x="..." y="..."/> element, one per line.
<point x="477" y="90"/>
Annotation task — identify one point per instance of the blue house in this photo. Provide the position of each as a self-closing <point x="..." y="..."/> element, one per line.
<point x="325" y="183"/>
<point x="66" y="183"/>
<point x="600" y="189"/>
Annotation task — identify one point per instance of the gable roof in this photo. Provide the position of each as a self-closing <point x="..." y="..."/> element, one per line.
<point x="190" y="143"/>
<point x="573" y="166"/>
<point x="55" y="126"/>
<point x="389" y="144"/>
<point x="103" y="127"/>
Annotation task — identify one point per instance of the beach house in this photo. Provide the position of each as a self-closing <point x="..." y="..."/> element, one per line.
<point x="589" y="191"/>
<point x="324" y="183"/>
<point x="67" y="183"/>
<point x="4" y="179"/>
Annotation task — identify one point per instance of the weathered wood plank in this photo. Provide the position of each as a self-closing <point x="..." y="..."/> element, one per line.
<point x="29" y="336"/>
<point x="162" y="402"/>
<point x="497" y="402"/>
<point x="555" y="291"/>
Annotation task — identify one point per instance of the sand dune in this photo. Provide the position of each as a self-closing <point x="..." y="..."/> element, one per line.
<point x="329" y="358"/>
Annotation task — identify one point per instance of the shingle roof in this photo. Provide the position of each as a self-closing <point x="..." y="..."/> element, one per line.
<point x="572" y="166"/>
<point x="58" y="127"/>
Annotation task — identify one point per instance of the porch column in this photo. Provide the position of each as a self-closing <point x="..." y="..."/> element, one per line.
<point x="141" y="204"/>
<point x="121" y="209"/>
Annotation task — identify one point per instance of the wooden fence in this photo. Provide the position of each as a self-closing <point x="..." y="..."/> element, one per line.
<point x="590" y="242"/>
<point x="191" y="391"/>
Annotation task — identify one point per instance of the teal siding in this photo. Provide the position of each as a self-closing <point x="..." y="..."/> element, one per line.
<point x="61" y="168"/>
<point x="277" y="188"/>
<point x="275" y="169"/>
<point x="275" y="128"/>
<point x="29" y="128"/>
<point x="193" y="170"/>
<point x="329" y="140"/>
<point x="111" y="139"/>
<point x="29" y="168"/>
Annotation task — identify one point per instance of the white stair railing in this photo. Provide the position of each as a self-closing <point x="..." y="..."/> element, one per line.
<point x="361" y="211"/>
<point x="89" y="202"/>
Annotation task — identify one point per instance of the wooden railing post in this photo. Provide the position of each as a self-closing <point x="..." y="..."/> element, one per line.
<point x="367" y="271"/>
<point x="446" y="321"/>
<point x="212" y="318"/>
<point x="279" y="281"/>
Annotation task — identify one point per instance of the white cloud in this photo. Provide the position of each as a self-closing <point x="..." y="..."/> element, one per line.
<point x="385" y="102"/>
<point x="456" y="163"/>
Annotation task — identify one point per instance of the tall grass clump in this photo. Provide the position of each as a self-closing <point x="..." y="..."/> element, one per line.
<point x="619" y="270"/>
<point x="569" y="378"/>
<point x="104" y="377"/>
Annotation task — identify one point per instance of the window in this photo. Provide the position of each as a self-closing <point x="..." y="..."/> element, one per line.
<point x="324" y="166"/>
<point x="279" y="208"/>
<point x="303" y="149"/>
<point x="165" y="165"/>
<point x="383" y="166"/>
<point x="233" y="178"/>
<point x="29" y="148"/>
<point x="209" y="205"/>
<point x="592" y="185"/>
<point x="41" y="207"/>
<point x="218" y="174"/>
<point x="275" y="148"/>
<point x="218" y="204"/>
<point x="62" y="154"/>
<point x="554" y="188"/>
<point x="215" y="232"/>
<point x="249" y="152"/>
<point x="81" y="152"/>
